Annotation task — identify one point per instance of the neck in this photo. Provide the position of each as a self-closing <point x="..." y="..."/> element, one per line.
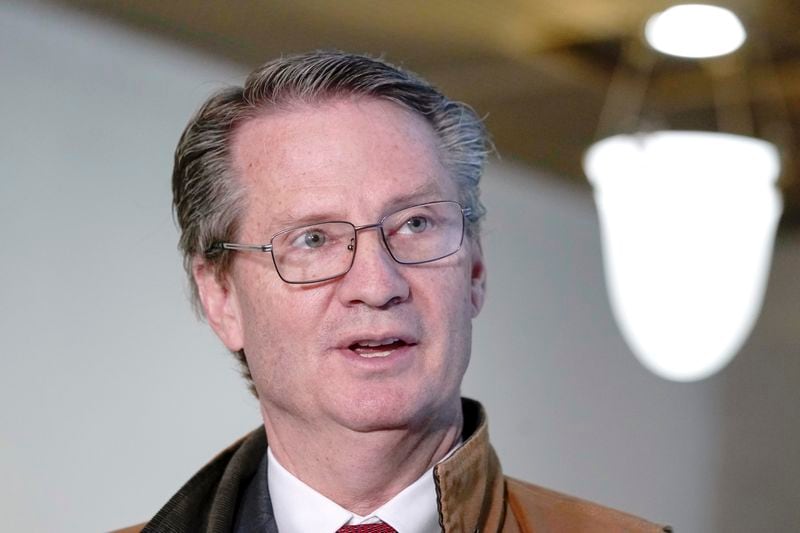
<point x="363" y="470"/>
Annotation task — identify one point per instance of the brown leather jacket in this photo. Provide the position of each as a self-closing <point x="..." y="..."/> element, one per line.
<point x="473" y="495"/>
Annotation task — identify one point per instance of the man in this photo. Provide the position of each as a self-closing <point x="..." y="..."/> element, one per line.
<point x="330" y="225"/>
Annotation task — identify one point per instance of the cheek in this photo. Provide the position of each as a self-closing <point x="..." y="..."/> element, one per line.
<point x="448" y="299"/>
<point x="272" y="307"/>
<point x="273" y="347"/>
<point x="282" y="325"/>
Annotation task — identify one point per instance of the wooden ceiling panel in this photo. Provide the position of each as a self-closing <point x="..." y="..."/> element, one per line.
<point x="538" y="68"/>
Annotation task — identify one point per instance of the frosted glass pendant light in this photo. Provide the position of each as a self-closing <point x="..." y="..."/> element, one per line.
<point x="688" y="221"/>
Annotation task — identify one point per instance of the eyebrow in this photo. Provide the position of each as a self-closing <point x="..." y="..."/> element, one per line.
<point x="427" y="192"/>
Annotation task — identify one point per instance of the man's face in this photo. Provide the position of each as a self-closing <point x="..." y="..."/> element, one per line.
<point x="353" y="160"/>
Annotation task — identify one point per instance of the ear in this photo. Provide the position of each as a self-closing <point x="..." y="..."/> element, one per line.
<point x="220" y="304"/>
<point x="477" y="277"/>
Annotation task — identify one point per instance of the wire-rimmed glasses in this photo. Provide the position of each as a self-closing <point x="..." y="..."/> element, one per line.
<point x="319" y="252"/>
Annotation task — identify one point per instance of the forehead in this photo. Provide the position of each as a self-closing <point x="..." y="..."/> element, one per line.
<point x="346" y="157"/>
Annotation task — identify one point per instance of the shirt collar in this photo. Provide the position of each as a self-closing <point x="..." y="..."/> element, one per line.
<point x="413" y="510"/>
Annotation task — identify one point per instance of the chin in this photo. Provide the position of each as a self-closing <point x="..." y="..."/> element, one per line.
<point x="389" y="410"/>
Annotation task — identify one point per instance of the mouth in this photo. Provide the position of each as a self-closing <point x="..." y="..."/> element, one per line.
<point x="371" y="348"/>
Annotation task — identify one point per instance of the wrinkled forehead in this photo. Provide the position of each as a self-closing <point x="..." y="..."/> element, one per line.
<point x="337" y="155"/>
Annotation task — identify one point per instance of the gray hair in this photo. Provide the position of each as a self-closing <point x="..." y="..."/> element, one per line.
<point x="208" y="199"/>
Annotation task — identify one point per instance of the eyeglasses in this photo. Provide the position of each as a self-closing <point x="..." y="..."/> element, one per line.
<point x="319" y="252"/>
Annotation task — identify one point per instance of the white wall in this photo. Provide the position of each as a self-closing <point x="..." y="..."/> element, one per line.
<point x="112" y="394"/>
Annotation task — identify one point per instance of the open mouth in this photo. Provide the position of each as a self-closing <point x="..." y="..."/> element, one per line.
<point x="377" y="348"/>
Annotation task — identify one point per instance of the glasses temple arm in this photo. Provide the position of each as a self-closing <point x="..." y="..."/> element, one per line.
<point x="240" y="247"/>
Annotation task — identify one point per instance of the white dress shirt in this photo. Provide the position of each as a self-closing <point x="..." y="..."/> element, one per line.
<point x="299" y="509"/>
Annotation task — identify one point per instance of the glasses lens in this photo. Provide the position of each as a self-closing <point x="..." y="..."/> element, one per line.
<point x="315" y="252"/>
<point x="424" y="232"/>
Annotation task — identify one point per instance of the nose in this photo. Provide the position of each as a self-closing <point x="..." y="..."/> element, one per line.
<point x="375" y="279"/>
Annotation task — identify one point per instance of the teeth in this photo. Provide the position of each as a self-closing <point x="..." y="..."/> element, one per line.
<point x="373" y="344"/>
<point x="375" y="354"/>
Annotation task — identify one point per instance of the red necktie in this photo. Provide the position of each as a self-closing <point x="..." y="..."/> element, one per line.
<point x="380" y="527"/>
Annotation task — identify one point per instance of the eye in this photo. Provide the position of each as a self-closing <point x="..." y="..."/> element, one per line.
<point x="311" y="238"/>
<point x="415" y="224"/>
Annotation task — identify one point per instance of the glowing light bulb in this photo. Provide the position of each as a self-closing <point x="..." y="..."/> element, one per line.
<point x="695" y="30"/>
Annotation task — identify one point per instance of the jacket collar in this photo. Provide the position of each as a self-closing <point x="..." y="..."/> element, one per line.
<point x="469" y="484"/>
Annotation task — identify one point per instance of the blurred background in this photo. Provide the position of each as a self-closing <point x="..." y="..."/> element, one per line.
<point x="112" y="393"/>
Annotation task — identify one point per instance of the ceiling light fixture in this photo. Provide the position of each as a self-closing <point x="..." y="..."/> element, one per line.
<point x="688" y="221"/>
<point x="695" y="30"/>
